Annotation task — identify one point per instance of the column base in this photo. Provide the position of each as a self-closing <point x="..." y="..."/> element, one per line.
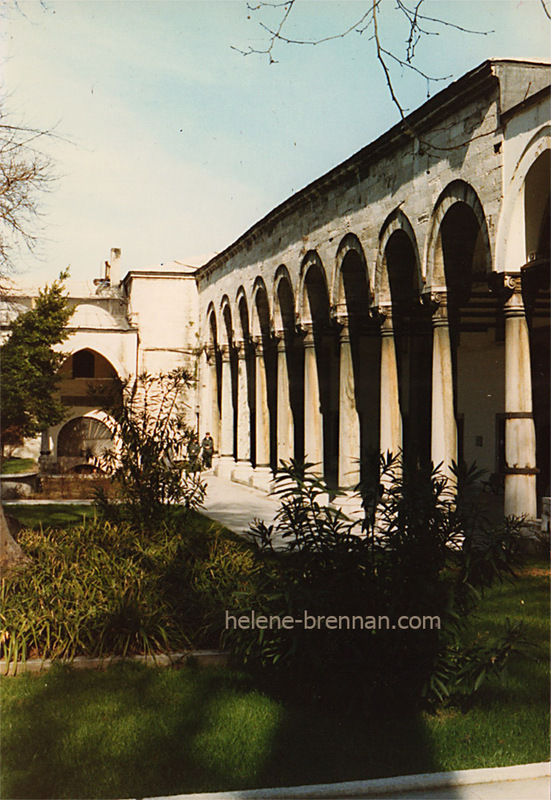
<point x="224" y="466"/>
<point x="262" y="478"/>
<point x="242" y="472"/>
<point x="351" y="505"/>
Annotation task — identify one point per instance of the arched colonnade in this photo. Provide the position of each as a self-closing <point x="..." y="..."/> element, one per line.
<point x="428" y="351"/>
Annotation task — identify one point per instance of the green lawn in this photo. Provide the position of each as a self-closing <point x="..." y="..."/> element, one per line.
<point x="51" y="515"/>
<point x="12" y="466"/>
<point x="137" y="731"/>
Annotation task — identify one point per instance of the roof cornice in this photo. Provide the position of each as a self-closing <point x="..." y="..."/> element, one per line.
<point x="477" y="81"/>
<point x="406" y="130"/>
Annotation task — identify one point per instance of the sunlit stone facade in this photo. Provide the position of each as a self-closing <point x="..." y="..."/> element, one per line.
<point x="398" y="303"/>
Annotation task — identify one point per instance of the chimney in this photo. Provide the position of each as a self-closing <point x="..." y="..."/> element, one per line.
<point x="114" y="266"/>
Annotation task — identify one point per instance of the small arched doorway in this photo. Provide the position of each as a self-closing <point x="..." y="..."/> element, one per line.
<point x="82" y="443"/>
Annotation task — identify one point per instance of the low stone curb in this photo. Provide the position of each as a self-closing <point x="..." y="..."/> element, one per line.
<point x="204" y="658"/>
<point x="379" y="786"/>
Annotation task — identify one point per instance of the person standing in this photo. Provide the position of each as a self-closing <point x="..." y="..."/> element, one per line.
<point x="207" y="446"/>
<point x="193" y="454"/>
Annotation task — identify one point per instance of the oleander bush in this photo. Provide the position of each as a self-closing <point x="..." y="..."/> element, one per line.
<point x="424" y="550"/>
<point x="148" y="462"/>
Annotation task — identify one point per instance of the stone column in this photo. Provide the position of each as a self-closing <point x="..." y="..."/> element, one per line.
<point x="45" y="443"/>
<point x="349" y="420"/>
<point x="390" y="440"/>
<point x="313" y="418"/>
<point x="226" y="421"/>
<point x="262" y="472"/>
<point x="443" y="425"/>
<point x="243" y="414"/>
<point x="285" y="427"/>
<point x="520" y="436"/>
<point x="262" y="410"/>
<point x="212" y="414"/>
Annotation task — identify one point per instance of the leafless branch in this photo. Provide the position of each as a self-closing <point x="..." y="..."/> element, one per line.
<point x="25" y="172"/>
<point x="276" y="35"/>
<point x="418" y="24"/>
<point x="547" y="12"/>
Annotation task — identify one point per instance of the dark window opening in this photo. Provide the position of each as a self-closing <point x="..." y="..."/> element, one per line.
<point x="84" y="364"/>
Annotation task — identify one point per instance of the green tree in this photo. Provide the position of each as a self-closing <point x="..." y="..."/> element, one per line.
<point x="30" y="366"/>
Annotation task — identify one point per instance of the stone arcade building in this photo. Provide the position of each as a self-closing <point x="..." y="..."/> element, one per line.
<point x="399" y="302"/>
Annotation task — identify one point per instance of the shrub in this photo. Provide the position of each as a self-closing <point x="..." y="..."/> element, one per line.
<point x="423" y="550"/>
<point x="100" y="589"/>
<point x="148" y="464"/>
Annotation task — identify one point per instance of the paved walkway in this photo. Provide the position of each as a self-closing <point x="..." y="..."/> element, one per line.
<point x="235" y="505"/>
<point x="232" y="504"/>
<point x="528" y="789"/>
<point x="524" y="782"/>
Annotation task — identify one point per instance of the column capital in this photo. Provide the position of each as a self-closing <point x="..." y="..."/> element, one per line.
<point x="210" y="351"/>
<point x="341" y="320"/>
<point x="278" y="337"/>
<point x="342" y="327"/>
<point x="257" y="344"/>
<point x="383" y="314"/>
<point x="505" y="284"/>
<point x="437" y="302"/>
<point x="225" y="351"/>
<point x="512" y="283"/>
<point x="436" y="298"/>
<point x="240" y="348"/>
<point x="307" y="333"/>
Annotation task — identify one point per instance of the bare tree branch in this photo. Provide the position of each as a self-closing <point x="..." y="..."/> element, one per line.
<point x="25" y="173"/>
<point x="547" y="12"/>
<point x="418" y="24"/>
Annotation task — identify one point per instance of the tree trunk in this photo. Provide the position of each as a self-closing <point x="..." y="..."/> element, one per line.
<point x="11" y="554"/>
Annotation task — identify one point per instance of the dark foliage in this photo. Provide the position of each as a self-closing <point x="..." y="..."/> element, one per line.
<point x="30" y="366"/>
<point x="423" y="551"/>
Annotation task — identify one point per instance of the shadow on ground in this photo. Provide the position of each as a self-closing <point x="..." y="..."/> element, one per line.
<point x="134" y="732"/>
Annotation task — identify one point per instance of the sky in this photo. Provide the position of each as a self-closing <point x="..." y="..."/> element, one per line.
<point x="169" y="143"/>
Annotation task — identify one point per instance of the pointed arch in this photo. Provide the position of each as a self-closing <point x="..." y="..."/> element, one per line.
<point x="350" y="251"/>
<point x="510" y="241"/>
<point x="226" y="328"/>
<point x="283" y="302"/>
<point x="211" y="325"/>
<point x="260" y="310"/>
<point x="397" y="221"/>
<point x="313" y="295"/>
<point x="457" y="192"/>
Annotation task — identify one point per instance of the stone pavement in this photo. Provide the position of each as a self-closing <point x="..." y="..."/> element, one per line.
<point x="236" y="505"/>
<point x="527" y="789"/>
<point x="524" y="782"/>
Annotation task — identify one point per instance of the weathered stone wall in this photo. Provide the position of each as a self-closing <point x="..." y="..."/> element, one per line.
<point x="461" y="139"/>
<point x="163" y="306"/>
<point x="411" y="178"/>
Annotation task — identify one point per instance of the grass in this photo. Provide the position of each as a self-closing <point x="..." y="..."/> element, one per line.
<point x="136" y="731"/>
<point x="99" y="589"/>
<point x="13" y="466"/>
<point x="52" y="515"/>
